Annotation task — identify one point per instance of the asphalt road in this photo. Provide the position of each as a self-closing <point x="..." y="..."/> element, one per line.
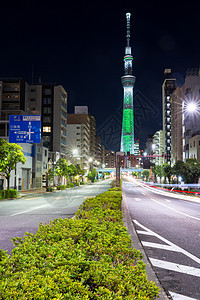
<point x="24" y="215"/>
<point x="169" y="230"/>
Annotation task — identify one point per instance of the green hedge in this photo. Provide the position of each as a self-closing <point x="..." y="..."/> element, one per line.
<point x="89" y="257"/>
<point x="7" y="194"/>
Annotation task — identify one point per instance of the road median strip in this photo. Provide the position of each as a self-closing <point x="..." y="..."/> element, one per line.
<point x="88" y="257"/>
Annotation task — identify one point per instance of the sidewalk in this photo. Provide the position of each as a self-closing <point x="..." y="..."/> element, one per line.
<point x="31" y="192"/>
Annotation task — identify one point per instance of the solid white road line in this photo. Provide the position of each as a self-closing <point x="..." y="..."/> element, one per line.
<point x="25" y="211"/>
<point x="176" y="296"/>
<point x="193" y="257"/>
<point x="143" y="194"/>
<point x="144" y="232"/>
<point x="189" y="216"/>
<point x="175" y="267"/>
<point x="159" y="246"/>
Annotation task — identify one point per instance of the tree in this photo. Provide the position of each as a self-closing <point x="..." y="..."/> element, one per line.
<point x="146" y="174"/>
<point x="179" y="169"/>
<point x="72" y="171"/>
<point x="81" y="172"/>
<point x="193" y="170"/>
<point x="92" y="175"/>
<point x="157" y="170"/>
<point x="49" y="176"/>
<point x="10" y="155"/>
<point x="61" y="168"/>
<point x="167" y="171"/>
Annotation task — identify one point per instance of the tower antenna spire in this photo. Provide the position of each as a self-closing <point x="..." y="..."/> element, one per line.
<point x="128" y="81"/>
<point x="128" y="18"/>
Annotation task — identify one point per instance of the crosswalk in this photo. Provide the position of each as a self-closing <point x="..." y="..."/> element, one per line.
<point x="152" y="242"/>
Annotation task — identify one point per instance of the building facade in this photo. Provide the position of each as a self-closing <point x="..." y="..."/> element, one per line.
<point x="168" y="88"/>
<point x="50" y="101"/>
<point x="158" y="150"/>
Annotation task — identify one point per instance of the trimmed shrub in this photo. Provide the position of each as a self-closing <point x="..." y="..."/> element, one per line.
<point x="8" y="194"/>
<point x="89" y="257"/>
<point x="61" y="187"/>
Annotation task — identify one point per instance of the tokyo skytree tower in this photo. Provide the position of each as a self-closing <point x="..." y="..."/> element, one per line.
<point x="128" y="81"/>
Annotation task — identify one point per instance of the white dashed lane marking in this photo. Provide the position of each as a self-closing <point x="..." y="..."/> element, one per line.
<point x="176" y="296"/>
<point x="159" y="246"/>
<point x="175" y="267"/>
<point x="167" y="265"/>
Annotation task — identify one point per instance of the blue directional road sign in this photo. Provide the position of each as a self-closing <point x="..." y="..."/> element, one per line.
<point x="25" y="129"/>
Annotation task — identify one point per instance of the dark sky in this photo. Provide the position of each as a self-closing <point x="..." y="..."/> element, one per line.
<point x="80" y="44"/>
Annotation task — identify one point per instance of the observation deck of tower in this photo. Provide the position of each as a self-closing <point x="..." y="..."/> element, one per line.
<point x="128" y="81"/>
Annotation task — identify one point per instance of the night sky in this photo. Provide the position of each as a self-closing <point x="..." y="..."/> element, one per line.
<point x="80" y="44"/>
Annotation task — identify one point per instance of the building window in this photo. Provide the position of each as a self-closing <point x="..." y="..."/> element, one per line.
<point x="46" y="119"/>
<point x="47" y="92"/>
<point x="46" y="129"/>
<point x="47" y="110"/>
<point x="190" y="145"/>
<point x="78" y="127"/>
<point x="32" y="99"/>
<point x="45" y="152"/>
<point x="47" y="101"/>
<point x="47" y="139"/>
<point x="194" y="143"/>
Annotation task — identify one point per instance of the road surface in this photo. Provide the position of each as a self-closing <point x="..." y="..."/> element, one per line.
<point x="169" y="230"/>
<point x="24" y="215"/>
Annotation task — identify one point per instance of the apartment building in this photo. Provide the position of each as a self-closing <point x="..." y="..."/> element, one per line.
<point x="50" y="100"/>
<point x="168" y="87"/>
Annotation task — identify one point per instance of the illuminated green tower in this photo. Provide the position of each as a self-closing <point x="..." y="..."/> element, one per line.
<point x="128" y="81"/>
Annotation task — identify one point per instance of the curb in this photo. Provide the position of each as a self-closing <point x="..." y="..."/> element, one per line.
<point x="137" y="245"/>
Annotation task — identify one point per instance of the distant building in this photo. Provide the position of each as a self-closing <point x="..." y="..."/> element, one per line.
<point x="50" y="100"/>
<point x="185" y="124"/>
<point x="194" y="147"/>
<point x="176" y="125"/>
<point x="168" y="87"/>
<point x="78" y="141"/>
<point x="14" y="100"/>
<point x="136" y="147"/>
<point x="109" y="159"/>
<point x="158" y="147"/>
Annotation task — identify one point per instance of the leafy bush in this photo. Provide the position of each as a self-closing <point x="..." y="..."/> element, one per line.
<point x="8" y="194"/>
<point x="89" y="257"/>
<point x="61" y="187"/>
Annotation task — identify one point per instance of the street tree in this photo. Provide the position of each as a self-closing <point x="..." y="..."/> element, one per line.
<point x="49" y="176"/>
<point x="179" y="170"/>
<point x="193" y="170"/>
<point x="167" y="171"/>
<point x="146" y="174"/>
<point x="61" y="168"/>
<point x="10" y="155"/>
<point x="71" y="171"/>
<point x="158" y="172"/>
<point x="92" y="175"/>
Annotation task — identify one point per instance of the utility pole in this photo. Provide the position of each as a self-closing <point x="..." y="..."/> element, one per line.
<point x="118" y="163"/>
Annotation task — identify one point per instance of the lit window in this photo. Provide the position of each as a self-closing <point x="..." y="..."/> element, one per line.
<point x="46" y="129"/>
